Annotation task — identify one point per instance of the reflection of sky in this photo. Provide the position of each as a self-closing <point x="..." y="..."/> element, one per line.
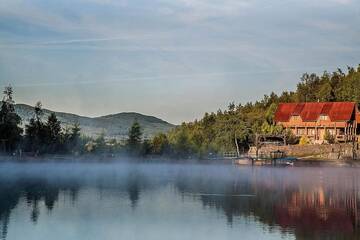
<point x="174" y="59"/>
<point x="170" y="201"/>
<point x="161" y="214"/>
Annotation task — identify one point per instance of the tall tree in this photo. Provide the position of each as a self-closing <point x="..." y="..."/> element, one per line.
<point x="134" y="138"/>
<point x="53" y="132"/>
<point x="36" y="134"/>
<point x="160" y="144"/>
<point x="38" y="111"/>
<point x="10" y="132"/>
<point x="74" y="139"/>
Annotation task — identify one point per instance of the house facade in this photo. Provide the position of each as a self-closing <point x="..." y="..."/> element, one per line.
<point x="314" y="119"/>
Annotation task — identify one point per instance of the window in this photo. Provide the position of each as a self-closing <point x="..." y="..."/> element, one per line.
<point x="295" y="118"/>
<point x="323" y="117"/>
<point x="301" y="131"/>
<point x="311" y="131"/>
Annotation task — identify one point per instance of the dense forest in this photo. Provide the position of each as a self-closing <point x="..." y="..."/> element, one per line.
<point x="221" y="131"/>
<point x="216" y="132"/>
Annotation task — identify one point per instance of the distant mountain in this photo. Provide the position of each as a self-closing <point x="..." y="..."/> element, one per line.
<point x="114" y="125"/>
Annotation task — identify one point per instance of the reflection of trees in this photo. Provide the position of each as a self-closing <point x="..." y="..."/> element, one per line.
<point x="296" y="202"/>
<point x="8" y="201"/>
<point x="319" y="210"/>
<point x="301" y="205"/>
<point x="33" y="191"/>
<point x="133" y="188"/>
<point x="38" y="191"/>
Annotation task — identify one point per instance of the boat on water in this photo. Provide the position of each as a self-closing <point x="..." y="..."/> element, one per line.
<point x="284" y="161"/>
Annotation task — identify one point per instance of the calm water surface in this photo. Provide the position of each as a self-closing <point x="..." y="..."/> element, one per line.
<point x="173" y="201"/>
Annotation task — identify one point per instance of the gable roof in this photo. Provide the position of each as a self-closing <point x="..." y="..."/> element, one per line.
<point x="310" y="111"/>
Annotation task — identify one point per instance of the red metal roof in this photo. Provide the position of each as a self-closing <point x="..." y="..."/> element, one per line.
<point x="310" y="111"/>
<point x="358" y="117"/>
<point x="284" y="111"/>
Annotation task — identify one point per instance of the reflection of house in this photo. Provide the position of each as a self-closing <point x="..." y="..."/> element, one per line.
<point x="313" y="119"/>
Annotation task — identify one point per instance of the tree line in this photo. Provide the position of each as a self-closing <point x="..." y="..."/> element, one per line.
<point x="47" y="136"/>
<point x="216" y="132"/>
<point x="235" y="127"/>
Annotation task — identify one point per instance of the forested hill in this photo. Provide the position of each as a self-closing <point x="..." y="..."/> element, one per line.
<point x="219" y="131"/>
<point x="113" y="126"/>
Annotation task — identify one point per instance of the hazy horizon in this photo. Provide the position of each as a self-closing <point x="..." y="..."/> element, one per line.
<point x="174" y="60"/>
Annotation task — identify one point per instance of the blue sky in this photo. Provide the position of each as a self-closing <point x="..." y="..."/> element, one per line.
<point x="174" y="59"/>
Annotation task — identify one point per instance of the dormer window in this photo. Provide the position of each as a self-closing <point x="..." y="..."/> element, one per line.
<point x="324" y="117"/>
<point x="295" y="118"/>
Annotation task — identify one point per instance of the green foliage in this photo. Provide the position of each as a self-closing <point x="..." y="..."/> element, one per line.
<point x="267" y="128"/>
<point x="146" y="148"/>
<point x="134" y="138"/>
<point x="53" y="134"/>
<point x="291" y="138"/>
<point x="219" y="132"/>
<point x="10" y="132"/>
<point x="160" y="144"/>
<point x="49" y="137"/>
<point x="182" y="144"/>
<point x="74" y="139"/>
<point x="330" y="138"/>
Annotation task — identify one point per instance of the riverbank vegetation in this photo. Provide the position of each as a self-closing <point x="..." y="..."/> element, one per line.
<point x="225" y="130"/>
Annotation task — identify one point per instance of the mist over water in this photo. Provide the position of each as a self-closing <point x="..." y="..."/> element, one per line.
<point x="176" y="201"/>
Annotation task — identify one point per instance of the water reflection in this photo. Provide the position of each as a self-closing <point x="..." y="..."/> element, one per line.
<point x="302" y="203"/>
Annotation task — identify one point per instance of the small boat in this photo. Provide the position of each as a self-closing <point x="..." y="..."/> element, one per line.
<point x="288" y="161"/>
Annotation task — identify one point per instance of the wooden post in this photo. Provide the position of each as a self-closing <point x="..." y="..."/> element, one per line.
<point x="345" y="133"/>
<point x="353" y="150"/>
<point x="237" y="146"/>
<point x="257" y="145"/>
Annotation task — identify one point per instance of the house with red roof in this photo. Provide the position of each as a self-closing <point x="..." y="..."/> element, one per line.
<point x="314" y="119"/>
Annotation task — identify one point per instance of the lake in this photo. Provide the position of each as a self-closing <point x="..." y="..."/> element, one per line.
<point x="176" y="201"/>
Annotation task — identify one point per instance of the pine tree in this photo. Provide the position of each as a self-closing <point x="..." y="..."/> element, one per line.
<point x="53" y="133"/>
<point x="36" y="134"/>
<point x="10" y="132"/>
<point x="134" y="138"/>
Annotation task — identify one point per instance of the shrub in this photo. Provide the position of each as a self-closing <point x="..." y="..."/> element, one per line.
<point x="330" y="138"/>
<point x="304" y="140"/>
<point x="291" y="138"/>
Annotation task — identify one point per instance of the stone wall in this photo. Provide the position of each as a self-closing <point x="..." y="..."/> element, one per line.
<point x="323" y="151"/>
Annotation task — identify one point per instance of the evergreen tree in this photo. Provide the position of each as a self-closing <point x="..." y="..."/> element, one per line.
<point x="53" y="132"/>
<point x="134" y="138"/>
<point x="10" y="132"/>
<point x="36" y="133"/>
<point x="38" y="111"/>
<point x="74" y="139"/>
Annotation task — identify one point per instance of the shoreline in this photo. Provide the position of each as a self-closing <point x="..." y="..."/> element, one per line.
<point x="300" y="161"/>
